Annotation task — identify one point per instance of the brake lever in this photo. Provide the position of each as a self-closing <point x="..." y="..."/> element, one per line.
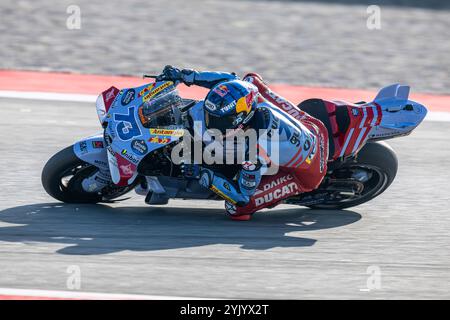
<point x="149" y="76"/>
<point x="176" y="82"/>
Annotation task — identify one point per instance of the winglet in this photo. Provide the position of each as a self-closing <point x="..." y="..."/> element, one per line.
<point x="394" y="91"/>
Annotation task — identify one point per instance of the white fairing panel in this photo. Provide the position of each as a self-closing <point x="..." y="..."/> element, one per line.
<point x="101" y="108"/>
<point x="92" y="150"/>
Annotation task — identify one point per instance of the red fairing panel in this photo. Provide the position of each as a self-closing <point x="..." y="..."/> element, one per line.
<point x="362" y="119"/>
<point x="126" y="170"/>
<point x="271" y="191"/>
<point x="108" y="96"/>
<point x="294" y="179"/>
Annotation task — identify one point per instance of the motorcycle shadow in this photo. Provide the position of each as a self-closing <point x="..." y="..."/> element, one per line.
<point x="102" y="229"/>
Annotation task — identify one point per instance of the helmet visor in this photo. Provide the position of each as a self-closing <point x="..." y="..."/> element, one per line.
<point x="222" y="123"/>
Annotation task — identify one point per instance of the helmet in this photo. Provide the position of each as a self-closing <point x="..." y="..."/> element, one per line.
<point x="230" y="105"/>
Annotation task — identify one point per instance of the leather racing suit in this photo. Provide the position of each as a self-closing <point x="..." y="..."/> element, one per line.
<point x="300" y="160"/>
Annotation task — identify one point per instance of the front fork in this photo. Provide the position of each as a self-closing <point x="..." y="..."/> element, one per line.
<point x="92" y="150"/>
<point x="97" y="181"/>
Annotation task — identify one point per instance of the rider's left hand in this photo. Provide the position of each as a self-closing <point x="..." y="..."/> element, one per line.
<point x="170" y="73"/>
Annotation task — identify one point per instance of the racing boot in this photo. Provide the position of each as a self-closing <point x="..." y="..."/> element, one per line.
<point x="234" y="213"/>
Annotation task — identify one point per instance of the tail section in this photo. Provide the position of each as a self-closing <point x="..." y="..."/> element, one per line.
<point x="350" y="125"/>
<point x="400" y="116"/>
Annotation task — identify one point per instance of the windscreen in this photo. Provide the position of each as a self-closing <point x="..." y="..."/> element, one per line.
<point x="162" y="111"/>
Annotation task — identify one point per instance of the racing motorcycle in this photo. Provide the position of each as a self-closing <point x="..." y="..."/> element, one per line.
<point x="142" y="125"/>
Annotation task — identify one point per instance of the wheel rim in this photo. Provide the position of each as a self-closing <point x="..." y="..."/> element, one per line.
<point x="70" y="181"/>
<point x="374" y="186"/>
<point x="67" y="177"/>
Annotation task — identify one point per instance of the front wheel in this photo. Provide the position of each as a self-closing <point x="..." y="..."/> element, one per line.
<point x="376" y="163"/>
<point x="62" y="177"/>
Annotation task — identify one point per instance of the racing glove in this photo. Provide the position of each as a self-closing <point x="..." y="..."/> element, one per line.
<point x="170" y="73"/>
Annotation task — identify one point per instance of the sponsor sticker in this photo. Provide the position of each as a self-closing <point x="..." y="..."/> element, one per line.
<point x="126" y="169"/>
<point x="221" y="90"/>
<point x="129" y="157"/>
<point x="229" y="107"/>
<point x="157" y="90"/>
<point x="97" y="144"/>
<point x="111" y="151"/>
<point x="128" y="96"/>
<point x="210" y="106"/>
<point x="307" y="145"/>
<point x="322" y="154"/>
<point x="139" y="147"/>
<point x="146" y="90"/>
<point x="159" y="140"/>
<point x="248" y="165"/>
<point x="276" y="190"/>
<point x="167" y="132"/>
<point x="83" y="147"/>
<point x="248" y="181"/>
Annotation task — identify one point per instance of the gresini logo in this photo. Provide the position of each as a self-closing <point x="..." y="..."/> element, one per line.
<point x="280" y="188"/>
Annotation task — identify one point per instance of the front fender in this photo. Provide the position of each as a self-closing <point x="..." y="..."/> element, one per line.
<point x="92" y="150"/>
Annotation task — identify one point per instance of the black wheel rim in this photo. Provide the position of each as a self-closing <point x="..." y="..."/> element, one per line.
<point x="372" y="188"/>
<point x="70" y="181"/>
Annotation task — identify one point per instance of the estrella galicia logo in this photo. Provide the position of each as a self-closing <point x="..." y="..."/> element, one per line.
<point x="128" y="96"/>
<point x="127" y="127"/>
<point x="139" y="147"/>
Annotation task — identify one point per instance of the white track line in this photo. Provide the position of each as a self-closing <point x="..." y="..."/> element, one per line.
<point x="84" y="295"/>
<point x="48" y="96"/>
<point x="69" y="97"/>
<point x="438" y="116"/>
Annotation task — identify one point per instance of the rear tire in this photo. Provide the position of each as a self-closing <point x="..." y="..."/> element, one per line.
<point x="382" y="160"/>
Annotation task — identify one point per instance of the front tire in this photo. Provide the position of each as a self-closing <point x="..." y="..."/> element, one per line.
<point x="62" y="177"/>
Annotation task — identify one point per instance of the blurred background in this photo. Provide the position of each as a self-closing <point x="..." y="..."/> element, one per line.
<point x="190" y="248"/>
<point x="335" y="43"/>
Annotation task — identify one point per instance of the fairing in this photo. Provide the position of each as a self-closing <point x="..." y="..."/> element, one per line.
<point x="126" y="141"/>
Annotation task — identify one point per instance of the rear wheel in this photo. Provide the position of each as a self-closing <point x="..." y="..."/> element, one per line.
<point x="372" y="172"/>
<point x="62" y="177"/>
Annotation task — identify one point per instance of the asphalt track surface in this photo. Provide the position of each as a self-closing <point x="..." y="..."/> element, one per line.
<point x="190" y="249"/>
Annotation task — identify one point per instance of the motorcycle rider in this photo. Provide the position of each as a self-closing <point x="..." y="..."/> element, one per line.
<point x="233" y="105"/>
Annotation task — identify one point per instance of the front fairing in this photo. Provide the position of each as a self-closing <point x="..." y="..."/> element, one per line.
<point x="127" y="140"/>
